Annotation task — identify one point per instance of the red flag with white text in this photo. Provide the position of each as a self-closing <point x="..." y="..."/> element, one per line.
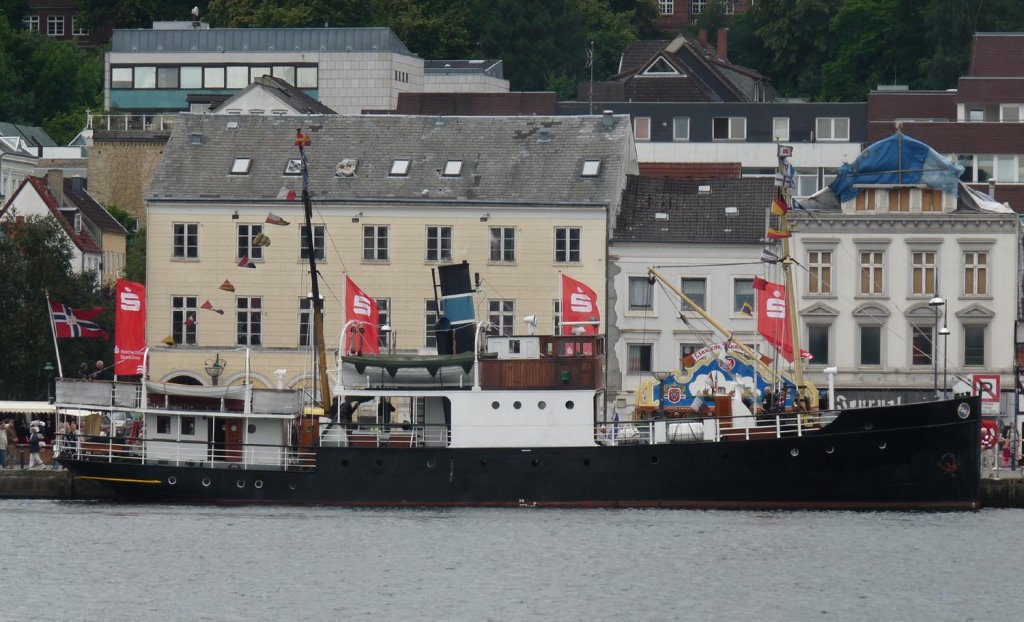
<point x="362" y="334"/>
<point x="68" y="322"/>
<point x="771" y="318"/>
<point x="579" y="308"/>
<point x="129" y="328"/>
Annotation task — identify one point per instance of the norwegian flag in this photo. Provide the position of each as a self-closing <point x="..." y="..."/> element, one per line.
<point x="70" y="322"/>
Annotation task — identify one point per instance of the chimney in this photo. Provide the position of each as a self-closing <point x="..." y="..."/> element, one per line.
<point x="723" y="43"/>
<point x="992" y="187"/>
<point x="702" y="36"/>
<point x="77" y="184"/>
<point x="55" y="182"/>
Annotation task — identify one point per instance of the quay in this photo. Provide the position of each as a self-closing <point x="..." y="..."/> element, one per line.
<point x="999" y="489"/>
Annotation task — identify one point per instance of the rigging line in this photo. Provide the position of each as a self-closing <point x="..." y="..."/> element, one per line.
<point x="334" y="244"/>
<point x="707" y="265"/>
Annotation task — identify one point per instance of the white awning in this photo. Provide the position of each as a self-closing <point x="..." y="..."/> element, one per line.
<point x="27" y="408"/>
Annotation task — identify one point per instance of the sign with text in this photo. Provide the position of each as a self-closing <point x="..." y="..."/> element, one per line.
<point x="987" y="386"/>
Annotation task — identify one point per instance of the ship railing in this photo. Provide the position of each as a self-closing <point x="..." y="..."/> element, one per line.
<point x="662" y="430"/>
<point x="186" y="453"/>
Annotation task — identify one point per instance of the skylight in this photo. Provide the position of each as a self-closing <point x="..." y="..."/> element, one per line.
<point x="399" y="168"/>
<point x="241" y="166"/>
<point x="294" y="167"/>
<point x="453" y="168"/>
<point x="591" y="168"/>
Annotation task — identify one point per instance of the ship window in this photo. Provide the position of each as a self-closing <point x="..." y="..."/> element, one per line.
<point x="163" y="424"/>
<point x="188" y="426"/>
<point x="495" y="405"/>
<point x="570" y="405"/>
<point x="517" y="405"/>
<point x="542" y="405"/>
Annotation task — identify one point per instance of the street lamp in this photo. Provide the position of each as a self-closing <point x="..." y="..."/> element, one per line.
<point x="661" y="377"/>
<point x="944" y="331"/>
<point x="215" y="368"/>
<point x="48" y="370"/>
<point x="936" y="303"/>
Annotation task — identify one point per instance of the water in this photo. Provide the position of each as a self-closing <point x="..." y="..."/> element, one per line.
<point x="99" y="561"/>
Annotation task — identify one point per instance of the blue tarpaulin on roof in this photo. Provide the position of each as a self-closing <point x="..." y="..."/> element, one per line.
<point x="897" y="160"/>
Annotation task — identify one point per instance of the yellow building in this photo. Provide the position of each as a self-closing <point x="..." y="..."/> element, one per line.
<point x="519" y="198"/>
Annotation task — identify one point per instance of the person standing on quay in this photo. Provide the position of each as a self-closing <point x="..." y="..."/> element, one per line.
<point x="3" y="446"/>
<point x="35" y="443"/>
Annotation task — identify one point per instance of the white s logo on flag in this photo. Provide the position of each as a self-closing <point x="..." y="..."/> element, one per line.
<point x="361" y="305"/>
<point x="776" y="308"/>
<point x="130" y="301"/>
<point x="580" y="303"/>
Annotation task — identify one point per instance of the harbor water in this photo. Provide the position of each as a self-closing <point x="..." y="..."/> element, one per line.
<point x="80" y="560"/>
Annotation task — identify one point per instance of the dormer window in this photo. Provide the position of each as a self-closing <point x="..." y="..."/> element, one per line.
<point x="453" y="168"/>
<point x="78" y="222"/>
<point x="660" y="67"/>
<point x="241" y="166"/>
<point x="399" y="168"/>
<point x="591" y="168"/>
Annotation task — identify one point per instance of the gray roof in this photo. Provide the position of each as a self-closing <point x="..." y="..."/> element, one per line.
<point x="506" y="160"/>
<point x="29" y="133"/>
<point x="80" y="197"/>
<point x="260" y="40"/>
<point x="486" y="67"/>
<point x="694" y="215"/>
<point x="290" y="95"/>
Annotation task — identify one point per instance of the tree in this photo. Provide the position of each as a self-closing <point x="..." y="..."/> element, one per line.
<point x="135" y="261"/>
<point x="35" y="258"/>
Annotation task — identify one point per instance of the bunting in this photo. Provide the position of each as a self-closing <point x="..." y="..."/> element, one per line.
<point x="245" y="262"/>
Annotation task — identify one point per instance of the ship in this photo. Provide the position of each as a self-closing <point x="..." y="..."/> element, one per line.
<point x="522" y="421"/>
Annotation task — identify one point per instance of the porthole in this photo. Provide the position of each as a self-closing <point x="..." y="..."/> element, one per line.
<point x="794" y="452"/>
<point x="586" y="462"/>
<point x="517" y="405"/>
<point x="344" y="462"/>
<point x="378" y="462"/>
<point x="882" y="444"/>
<point x="495" y="405"/>
<point x="535" y="462"/>
<point x="431" y="464"/>
<point x="869" y="426"/>
<point x="483" y="462"/>
<point x="830" y="450"/>
<point x="963" y="410"/>
<point x="654" y="459"/>
<point x="570" y="405"/>
<point x="206" y="482"/>
<point x="291" y="486"/>
<point x="252" y="428"/>
<point x="240" y="483"/>
<point x="542" y="405"/>
<point x="258" y="483"/>
<point x="172" y="480"/>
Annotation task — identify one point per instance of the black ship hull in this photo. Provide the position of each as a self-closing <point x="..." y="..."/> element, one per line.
<point x="917" y="456"/>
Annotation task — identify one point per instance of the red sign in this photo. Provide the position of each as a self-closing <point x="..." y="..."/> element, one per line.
<point x="129" y="328"/>
<point x="987" y="386"/>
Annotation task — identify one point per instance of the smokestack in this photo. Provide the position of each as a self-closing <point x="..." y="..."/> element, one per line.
<point x="55" y="182"/>
<point x="723" y="43"/>
<point x="992" y="188"/>
<point x="702" y="36"/>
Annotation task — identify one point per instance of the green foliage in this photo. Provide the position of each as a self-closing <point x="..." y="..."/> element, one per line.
<point x="35" y="258"/>
<point x="713" y="16"/>
<point x="135" y="261"/>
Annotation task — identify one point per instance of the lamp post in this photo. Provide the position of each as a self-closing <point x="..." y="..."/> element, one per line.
<point x="944" y="331"/>
<point x="935" y="303"/>
<point x="661" y="377"/>
<point x="48" y="371"/>
<point x="215" y="368"/>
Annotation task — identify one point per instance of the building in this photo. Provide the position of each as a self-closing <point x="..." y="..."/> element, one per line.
<point x="178" y="66"/>
<point x="979" y="124"/>
<point x="519" y="198"/>
<point x="60" y="19"/>
<point x="706" y="237"/>
<point x="674" y="15"/>
<point x="98" y="241"/>
<point x="26" y="151"/>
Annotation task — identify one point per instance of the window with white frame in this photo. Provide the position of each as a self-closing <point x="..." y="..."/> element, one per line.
<point x="567" y="244"/>
<point x="77" y="30"/>
<point x="780" y="128"/>
<point x="806" y="181"/>
<point x="375" y="243"/>
<point x="452" y="168"/>
<point x="681" y="129"/>
<point x="922" y="273"/>
<point x="213" y="77"/>
<point x="696" y="290"/>
<point x="641" y="294"/>
<point x="687" y="350"/>
<point x="399" y="168"/>
<point x="974" y="346"/>
<point x="743" y="296"/>
<point x="922" y="342"/>
<point x="246" y="242"/>
<point x="183" y="320"/>
<point x="819" y="272"/>
<point x="666" y="7"/>
<point x="591" y="168"/>
<point x="870" y="345"/>
<point x="818" y="343"/>
<point x="439" y="243"/>
<point x="638" y="358"/>
<point x="191" y="77"/>
<point x="249" y="321"/>
<point x="556" y="315"/>
<point x="1009" y="113"/>
<point x="872" y="272"/>
<point x="55" y="25"/>
<point x="305" y="321"/>
<point x="697" y="6"/>
<point x="975" y="273"/>
<point x="237" y="77"/>
<point x="729" y="128"/>
<point x="383" y="319"/>
<point x="832" y="128"/>
<point x="503" y="244"/>
<point x="642" y="128"/>
<point x="186" y="240"/>
<point x="318" y="242"/>
<point x="501" y="314"/>
<point x="240" y="166"/>
<point x="430" y="317"/>
<point x="31" y="23"/>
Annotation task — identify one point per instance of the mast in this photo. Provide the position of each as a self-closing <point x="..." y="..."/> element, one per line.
<point x="801" y="398"/>
<point x="302" y="141"/>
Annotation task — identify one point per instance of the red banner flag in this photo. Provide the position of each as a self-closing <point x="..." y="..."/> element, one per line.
<point x="129" y="329"/>
<point x="771" y="318"/>
<point x="362" y="337"/>
<point x="70" y="322"/>
<point x="579" y="308"/>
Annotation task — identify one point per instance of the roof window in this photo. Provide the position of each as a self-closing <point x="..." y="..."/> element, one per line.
<point x="591" y="168"/>
<point x="399" y="168"/>
<point x="294" y="167"/>
<point x="241" y="166"/>
<point x="453" y="168"/>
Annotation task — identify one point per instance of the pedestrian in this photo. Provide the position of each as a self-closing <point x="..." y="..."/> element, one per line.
<point x="12" y="442"/>
<point x="83" y="371"/>
<point x="3" y="446"/>
<point x="102" y="372"/>
<point x="35" y="445"/>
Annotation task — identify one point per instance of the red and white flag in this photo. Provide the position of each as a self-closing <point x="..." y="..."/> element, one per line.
<point x="579" y="308"/>
<point x="68" y="322"/>
<point x="771" y="318"/>
<point x="129" y="329"/>
<point x="362" y="311"/>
